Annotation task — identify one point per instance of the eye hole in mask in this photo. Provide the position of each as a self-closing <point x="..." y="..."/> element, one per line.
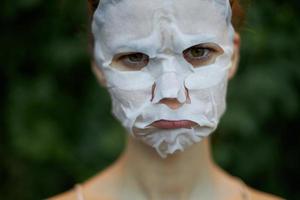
<point x="134" y="61"/>
<point x="202" y="54"/>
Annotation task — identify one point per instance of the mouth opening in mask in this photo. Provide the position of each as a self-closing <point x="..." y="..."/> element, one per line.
<point x="173" y="124"/>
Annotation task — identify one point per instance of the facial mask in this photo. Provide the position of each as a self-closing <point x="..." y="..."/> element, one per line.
<point x="163" y="30"/>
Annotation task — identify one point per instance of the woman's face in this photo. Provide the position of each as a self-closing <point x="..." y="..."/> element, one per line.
<point x="166" y="66"/>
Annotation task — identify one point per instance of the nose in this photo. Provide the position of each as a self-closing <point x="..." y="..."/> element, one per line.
<point x="168" y="86"/>
<point x="172" y="103"/>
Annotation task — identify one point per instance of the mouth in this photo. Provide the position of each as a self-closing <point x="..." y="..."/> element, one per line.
<point x="167" y="124"/>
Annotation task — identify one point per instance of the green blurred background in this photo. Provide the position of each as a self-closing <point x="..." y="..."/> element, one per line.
<point x="55" y="123"/>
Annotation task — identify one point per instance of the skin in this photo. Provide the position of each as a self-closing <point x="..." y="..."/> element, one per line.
<point x="141" y="174"/>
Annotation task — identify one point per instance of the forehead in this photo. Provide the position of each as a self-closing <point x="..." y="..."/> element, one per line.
<point x="134" y="19"/>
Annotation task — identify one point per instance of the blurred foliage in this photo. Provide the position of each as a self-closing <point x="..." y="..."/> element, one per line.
<point x="55" y="123"/>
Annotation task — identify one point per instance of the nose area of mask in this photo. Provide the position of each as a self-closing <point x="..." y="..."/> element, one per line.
<point x="169" y="82"/>
<point x="169" y="86"/>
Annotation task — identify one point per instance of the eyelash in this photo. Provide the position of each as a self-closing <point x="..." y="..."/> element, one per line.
<point x="124" y="60"/>
<point x="210" y="54"/>
<point x="206" y="52"/>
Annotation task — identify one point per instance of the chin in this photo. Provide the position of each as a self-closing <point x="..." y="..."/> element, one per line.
<point x="169" y="141"/>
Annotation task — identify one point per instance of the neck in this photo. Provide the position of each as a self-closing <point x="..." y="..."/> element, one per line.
<point x="179" y="176"/>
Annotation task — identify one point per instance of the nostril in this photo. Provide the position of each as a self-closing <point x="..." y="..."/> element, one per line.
<point x="171" y="103"/>
<point x="187" y="94"/>
<point x="152" y="92"/>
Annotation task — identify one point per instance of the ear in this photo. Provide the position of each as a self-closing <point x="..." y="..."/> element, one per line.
<point x="236" y="55"/>
<point x="98" y="73"/>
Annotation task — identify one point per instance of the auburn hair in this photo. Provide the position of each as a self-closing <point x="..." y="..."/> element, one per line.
<point x="238" y="14"/>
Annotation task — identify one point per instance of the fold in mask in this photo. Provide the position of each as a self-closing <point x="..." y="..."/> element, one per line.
<point x="163" y="30"/>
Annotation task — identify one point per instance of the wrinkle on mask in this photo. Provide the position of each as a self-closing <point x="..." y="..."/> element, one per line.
<point x="163" y="30"/>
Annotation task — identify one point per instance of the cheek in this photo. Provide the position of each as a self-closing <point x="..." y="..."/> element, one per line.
<point x="206" y="78"/>
<point x="201" y="102"/>
<point x="128" y="81"/>
<point x="131" y="99"/>
<point x="211" y="99"/>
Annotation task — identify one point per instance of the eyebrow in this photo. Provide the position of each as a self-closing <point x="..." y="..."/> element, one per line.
<point x="129" y="48"/>
<point x="144" y="45"/>
<point x="194" y="39"/>
<point x="140" y="45"/>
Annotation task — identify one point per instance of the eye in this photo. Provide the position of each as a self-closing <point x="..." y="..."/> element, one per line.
<point x="202" y="54"/>
<point x="130" y="61"/>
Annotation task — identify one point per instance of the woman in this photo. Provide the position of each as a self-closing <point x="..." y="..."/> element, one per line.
<point x="166" y="65"/>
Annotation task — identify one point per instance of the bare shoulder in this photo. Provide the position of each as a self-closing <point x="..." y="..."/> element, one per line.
<point x="258" y="195"/>
<point x="68" y="195"/>
<point x="73" y="195"/>
<point x="104" y="186"/>
<point x="234" y="184"/>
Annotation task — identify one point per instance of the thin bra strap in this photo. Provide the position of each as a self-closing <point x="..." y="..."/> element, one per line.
<point x="246" y="195"/>
<point x="79" y="193"/>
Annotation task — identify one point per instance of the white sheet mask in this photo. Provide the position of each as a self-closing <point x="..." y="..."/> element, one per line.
<point x="163" y="30"/>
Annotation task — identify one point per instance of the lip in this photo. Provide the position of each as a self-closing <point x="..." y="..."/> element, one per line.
<point x="168" y="124"/>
